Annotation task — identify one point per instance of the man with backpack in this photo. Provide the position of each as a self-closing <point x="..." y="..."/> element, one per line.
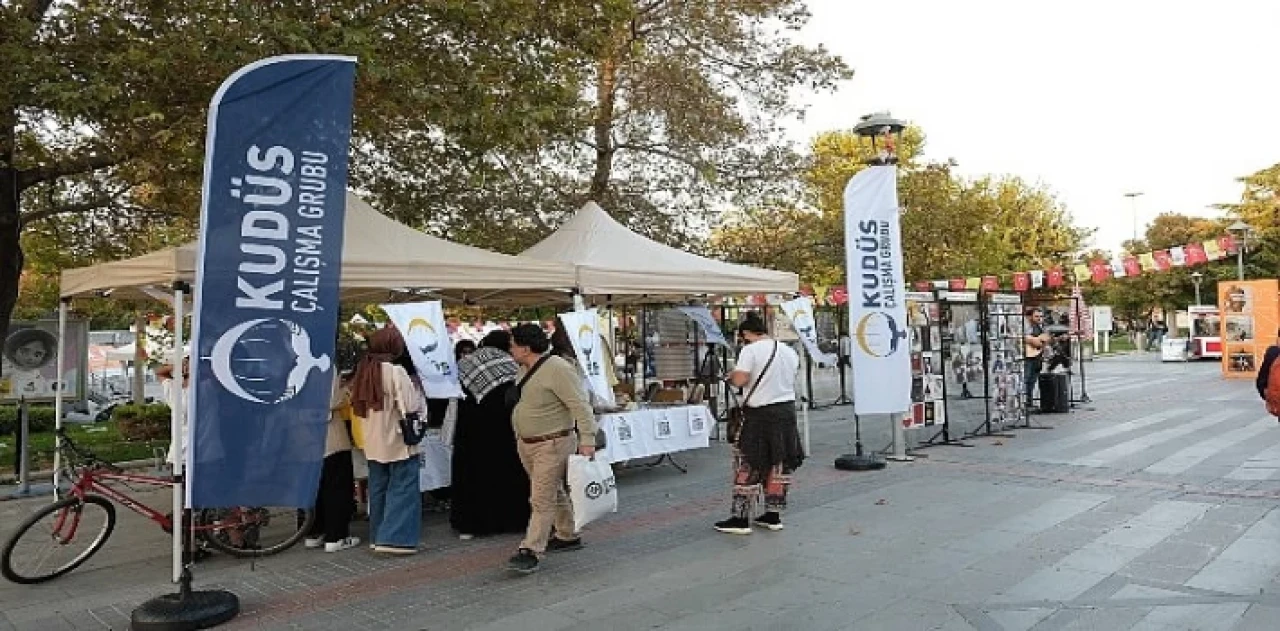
<point x="1269" y="383"/>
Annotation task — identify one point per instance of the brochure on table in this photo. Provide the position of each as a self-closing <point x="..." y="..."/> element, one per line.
<point x="654" y="431"/>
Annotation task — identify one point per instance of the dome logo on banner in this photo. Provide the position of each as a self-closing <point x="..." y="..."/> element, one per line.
<point x="587" y="344"/>
<point x="429" y="339"/>
<point x="878" y="334"/>
<point x="247" y="362"/>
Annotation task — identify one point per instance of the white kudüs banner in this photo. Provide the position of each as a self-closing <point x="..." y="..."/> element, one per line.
<point x="800" y="311"/>
<point x="422" y="325"/>
<point x="583" y="328"/>
<point x="877" y="306"/>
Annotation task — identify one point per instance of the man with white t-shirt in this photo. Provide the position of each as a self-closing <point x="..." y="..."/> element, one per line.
<point x="767" y="449"/>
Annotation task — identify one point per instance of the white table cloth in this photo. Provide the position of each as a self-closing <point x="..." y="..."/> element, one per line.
<point x="652" y="432"/>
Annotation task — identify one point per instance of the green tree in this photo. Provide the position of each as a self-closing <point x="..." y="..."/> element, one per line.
<point x="1259" y="206"/>
<point x="950" y="226"/>
<point x="102" y="112"/>
<point x="1135" y="298"/>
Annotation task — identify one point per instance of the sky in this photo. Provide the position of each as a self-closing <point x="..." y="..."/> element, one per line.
<point x="1092" y="99"/>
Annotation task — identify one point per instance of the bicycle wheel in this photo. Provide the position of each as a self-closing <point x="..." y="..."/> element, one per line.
<point x="247" y="533"/>
<point x="31" y="554"/>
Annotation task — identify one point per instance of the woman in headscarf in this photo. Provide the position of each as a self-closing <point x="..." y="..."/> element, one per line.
<point x="382" y="394"/>
<point x="490" y="487"/>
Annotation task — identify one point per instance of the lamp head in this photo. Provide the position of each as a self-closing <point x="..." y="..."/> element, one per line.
<point x="885" y="132"/>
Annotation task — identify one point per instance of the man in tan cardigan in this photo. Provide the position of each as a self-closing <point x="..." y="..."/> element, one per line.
<point x="553" y="419"/>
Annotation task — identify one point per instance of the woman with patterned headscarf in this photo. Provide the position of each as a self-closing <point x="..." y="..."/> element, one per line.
<point x="490" y="486"/>
<point x="382" y="394"/>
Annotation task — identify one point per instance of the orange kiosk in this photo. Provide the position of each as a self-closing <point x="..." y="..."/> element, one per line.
<point x="1250" y="317"/>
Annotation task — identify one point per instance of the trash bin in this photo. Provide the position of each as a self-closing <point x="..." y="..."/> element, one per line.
<point x="1055" y="394"/>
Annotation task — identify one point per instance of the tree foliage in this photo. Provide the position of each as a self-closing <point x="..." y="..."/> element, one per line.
<point x="482" y="121"/>
<point x="950" y="226"/>
<point x="102" y="113"/>
<point x="1135" y="298"/>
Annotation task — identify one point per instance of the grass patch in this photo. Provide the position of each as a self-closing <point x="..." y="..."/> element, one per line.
<point x="1120" y="344"/>
<point x="103" y="439"/>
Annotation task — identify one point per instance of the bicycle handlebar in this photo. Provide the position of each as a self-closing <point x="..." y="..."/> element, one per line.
<point x="68" y="445"/>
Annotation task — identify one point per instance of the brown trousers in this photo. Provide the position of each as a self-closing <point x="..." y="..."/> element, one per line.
<point x="547" y="464"/>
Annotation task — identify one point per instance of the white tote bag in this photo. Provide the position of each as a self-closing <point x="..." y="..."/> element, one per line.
<point x="591" y="489"/>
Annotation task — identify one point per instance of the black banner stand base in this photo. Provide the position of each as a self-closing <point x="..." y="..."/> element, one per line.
<point x="186" y="610"/>
<point x="859" y="460"/>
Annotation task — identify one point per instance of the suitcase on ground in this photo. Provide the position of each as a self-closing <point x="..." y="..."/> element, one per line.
<point x="1055" y="394"/>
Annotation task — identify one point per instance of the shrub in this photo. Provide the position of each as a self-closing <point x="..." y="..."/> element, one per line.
<point x="42" y="419"/>
<point x="142" y="422"/>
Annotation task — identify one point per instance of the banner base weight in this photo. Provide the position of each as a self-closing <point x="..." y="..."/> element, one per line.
<point x="186" y="610"/>
<point x="859" y="462"/>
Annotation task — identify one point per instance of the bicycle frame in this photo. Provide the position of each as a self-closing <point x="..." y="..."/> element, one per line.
<point x="91" y="480"/>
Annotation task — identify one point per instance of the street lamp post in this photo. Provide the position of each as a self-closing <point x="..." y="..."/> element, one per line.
<point x="1133" y="203"/>
<point x="1197" y="278"/>
<point x="1243" y="230"/>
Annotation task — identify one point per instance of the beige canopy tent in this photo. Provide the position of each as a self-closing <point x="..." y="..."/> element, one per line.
<point x="611" y="260"/>
<point x="380" y="257"/>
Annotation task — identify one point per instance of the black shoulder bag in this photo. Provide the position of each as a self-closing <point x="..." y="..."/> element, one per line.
<point x="513" y="393"/>
<point x="738" y="413"/>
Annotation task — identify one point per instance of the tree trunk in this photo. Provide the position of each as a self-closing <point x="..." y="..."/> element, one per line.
<point x="606" y="85"/>
<point x="10" y="249"/>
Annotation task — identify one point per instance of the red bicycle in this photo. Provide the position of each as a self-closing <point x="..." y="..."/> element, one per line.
<point x="87" y="515"/>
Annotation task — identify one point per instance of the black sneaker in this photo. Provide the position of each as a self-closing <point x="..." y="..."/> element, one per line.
<point x="564" y="545"/>
<point x="524" y="562"/>
<point x="734" y="526"/>
<point x="771" y="521"/>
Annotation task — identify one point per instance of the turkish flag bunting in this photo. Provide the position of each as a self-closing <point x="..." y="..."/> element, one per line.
<point x="1100" y="270"/>
<point x="1227" y="243"/>
<point x="1196" y="254"/>
<point x="1163" y="260"/>
<point x="1021" y="281"/>
<point x="990" y="283"/>
<point x="957" y="284"/>
<point x="1132" y="266"/>
<point x="923" y="285"/>
<point x="1055" y="277"/>
<point x="839" y="295"/>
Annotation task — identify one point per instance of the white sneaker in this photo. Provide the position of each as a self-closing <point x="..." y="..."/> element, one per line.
<point x="466" y="537"/>
<point x="339" y="546"/>
<point x="313" y="542"/>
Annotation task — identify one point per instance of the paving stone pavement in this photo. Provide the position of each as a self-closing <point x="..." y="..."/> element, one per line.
<point x="1150" y="508"/>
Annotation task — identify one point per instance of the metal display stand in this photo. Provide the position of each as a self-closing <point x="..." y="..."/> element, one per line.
<point x="930" y="348"/>
<point x="1001" y="325"/>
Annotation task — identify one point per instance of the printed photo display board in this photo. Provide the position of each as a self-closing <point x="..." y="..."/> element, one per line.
<point x="1005" y="325"/>
<point x="927" y="362"/>
<point x="966" y="385"/>
<point x="29" y="355"/>
<point x="1250" y="316"/>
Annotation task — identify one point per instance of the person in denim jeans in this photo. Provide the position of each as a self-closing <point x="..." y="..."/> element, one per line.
<point x="382" y="394"/>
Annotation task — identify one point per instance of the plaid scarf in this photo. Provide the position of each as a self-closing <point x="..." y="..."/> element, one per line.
<point x="486" y="369"/>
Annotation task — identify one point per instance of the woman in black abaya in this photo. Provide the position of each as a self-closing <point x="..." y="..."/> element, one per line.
<point x="490" y="487"/>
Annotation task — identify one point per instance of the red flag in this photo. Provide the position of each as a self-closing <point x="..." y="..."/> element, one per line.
<point x="1164" y="260"/>
<point x="839" y="295"/>
<point x="1100" y="270"/>
<point x="1055" y="277"/>
<point x="1021" y="281"/>
<point x="1227" y="243"/>
<point x="957" y="284"/>
<point x="923" y="285"/>
<point x="991" y="283"/>
<point x="1196" y="254"/>
<point x="1132" y="267"/>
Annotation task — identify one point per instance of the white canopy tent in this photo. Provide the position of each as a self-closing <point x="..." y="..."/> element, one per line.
<point x="379" y="257"/>
<point x="611" y="260"/>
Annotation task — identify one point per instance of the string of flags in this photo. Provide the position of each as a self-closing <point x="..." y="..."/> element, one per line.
<point x="1097" y="271"/>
